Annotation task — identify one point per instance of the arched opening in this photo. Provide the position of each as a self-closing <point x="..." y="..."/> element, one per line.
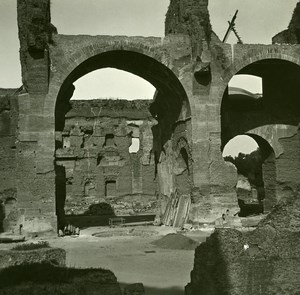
<point x="243" y="95"/>
<point x="110" y="141"/>
<point x="254" y="159"/>
<point x="244" y="153"/>
<point x="269" y="117"/>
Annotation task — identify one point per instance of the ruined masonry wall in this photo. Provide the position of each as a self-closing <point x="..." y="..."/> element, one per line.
<point x="95" y="153"/>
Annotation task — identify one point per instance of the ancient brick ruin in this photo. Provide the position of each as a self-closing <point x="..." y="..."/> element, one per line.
<point x="61" y="156"/>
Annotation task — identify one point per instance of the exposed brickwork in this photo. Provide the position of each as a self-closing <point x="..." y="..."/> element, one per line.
<point x="99" y="167"/>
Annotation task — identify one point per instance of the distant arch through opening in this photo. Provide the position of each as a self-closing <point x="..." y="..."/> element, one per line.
<point x="275" y="113"/>
<point x="243" y="111"/>
<point x="254" y="159"/>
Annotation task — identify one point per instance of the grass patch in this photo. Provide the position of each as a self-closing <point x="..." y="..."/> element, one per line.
<point x="32" y="246"/>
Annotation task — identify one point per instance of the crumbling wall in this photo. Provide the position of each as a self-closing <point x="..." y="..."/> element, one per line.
<point x="35" y="33"/>
<point x="99" y="167"/>
<point x="264" y="261"/>
<point x="189" y="17"/>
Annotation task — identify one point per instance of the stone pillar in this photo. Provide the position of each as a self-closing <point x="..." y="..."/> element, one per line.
<point x="35" y="140"/>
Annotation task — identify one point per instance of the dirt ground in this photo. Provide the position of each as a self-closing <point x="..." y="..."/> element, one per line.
<point x="133" y="258"/>
<point x="128" y="252"/>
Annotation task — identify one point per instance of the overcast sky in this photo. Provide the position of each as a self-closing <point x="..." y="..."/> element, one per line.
<point x="257" y="22"/>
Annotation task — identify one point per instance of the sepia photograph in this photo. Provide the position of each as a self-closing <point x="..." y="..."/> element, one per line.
<point x="150" y="147"/>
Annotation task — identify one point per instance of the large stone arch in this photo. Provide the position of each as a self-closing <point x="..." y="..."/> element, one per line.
<point x="170" y="103"/>
<point x="62" y="68"/>
<point x="69" y="52"/>
<point x="78" y="56"/>
<point x="262" y="176"/>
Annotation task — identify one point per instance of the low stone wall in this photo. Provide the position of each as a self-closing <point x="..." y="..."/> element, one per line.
<point x="9" y="258"/>
<point x="264" y="261"/>
<point x="48" y="279"/>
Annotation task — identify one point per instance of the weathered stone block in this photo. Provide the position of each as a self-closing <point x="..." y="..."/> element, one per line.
<point x="235" y="263"/>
